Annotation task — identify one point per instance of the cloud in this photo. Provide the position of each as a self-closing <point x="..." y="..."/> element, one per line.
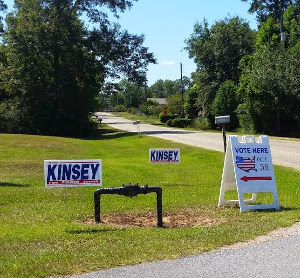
<point x="168" y="63"/>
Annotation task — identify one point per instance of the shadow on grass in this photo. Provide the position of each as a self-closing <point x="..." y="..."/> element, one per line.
<point x="178" y="184"/>
<point x="119" y="123"/>
<point x="151" y="132"/>
<point x="116" y="135"/>
<point x="8" y="184"/>
<point x="271" y="210"/>
<point x="288" y="208"/>
<point x="93" y="231"/>
<point x="102" y="132"/>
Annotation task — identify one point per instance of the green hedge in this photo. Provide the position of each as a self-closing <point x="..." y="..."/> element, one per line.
<point x="120" y="108"/>
<point x="165" y="117"/>
<point x="179" y="122"/>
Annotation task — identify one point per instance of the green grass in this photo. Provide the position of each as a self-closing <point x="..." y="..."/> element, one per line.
<point x="40" y="229"/>
<point x="151" y="119"/>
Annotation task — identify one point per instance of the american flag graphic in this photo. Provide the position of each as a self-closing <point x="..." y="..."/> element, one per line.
<point x="245" y="163"/>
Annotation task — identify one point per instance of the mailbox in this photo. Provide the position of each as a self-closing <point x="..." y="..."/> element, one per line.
<point x="222" y="119"/>
<point x="137" y="123"/>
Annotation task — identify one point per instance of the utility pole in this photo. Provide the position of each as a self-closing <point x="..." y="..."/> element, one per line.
<point x="282" y="34"/>
<point x="182" y="100"/>
<point x="283" y="39"/>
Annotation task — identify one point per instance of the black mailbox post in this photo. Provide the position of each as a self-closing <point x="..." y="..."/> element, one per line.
<point x="223" y="120"/>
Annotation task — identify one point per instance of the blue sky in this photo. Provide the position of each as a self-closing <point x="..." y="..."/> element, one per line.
<point x="166" y="24"/>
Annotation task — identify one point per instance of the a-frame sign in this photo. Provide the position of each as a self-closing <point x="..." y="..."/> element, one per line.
<point x="248" y="168"/>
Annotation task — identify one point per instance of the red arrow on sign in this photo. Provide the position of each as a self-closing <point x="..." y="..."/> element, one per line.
<point x="244" y="178"/>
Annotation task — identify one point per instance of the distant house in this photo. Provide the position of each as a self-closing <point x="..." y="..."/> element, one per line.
<point x="160" y="101"/>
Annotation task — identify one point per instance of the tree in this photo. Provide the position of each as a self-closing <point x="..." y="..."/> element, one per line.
<point x="175" y="104"/>
<point x="226" y="103"/>
<point x="291" y="24"/>
<point x="120" y="53"/>
<point x="269" y="8"/>
<point x="55" y="67"/>
<point x="165" y="88"/>
<point x="217" y="51"/>
<point x="269" y="84"/>
<point x="134" y="95"/>
<point x="157" y="89"/>
<point x="268" y="34"/>
<point x="3" y="8"/>
<point x="191" y="107"/>
<point x="171" y="87"/>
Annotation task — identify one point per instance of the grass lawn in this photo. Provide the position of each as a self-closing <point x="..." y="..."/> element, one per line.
<point x="43" y="232"/>
<point x="151" y="119"/>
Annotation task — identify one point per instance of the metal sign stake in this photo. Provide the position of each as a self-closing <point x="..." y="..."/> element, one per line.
<point x="223" y="120"/>
<point x="224" y="136"/>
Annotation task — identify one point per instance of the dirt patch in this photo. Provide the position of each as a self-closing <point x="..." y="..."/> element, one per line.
<point x="186" y="218"/>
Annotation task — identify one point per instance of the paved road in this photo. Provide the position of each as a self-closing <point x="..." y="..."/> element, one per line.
<point x="273" y="258"/>
<point x="275" y="255"/>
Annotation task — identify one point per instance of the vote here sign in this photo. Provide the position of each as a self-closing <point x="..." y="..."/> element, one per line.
<point x="73" y="173"/>
<point x="164" y="156"/>
<point x="253" y="163"/>
<point x="248" y="168"/>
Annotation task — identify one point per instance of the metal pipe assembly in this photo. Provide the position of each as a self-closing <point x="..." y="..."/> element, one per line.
<point x="130" y="191"/>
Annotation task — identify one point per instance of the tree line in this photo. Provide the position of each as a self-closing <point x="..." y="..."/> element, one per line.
<point x="253" y="76"/>
<point x="54" y="70"/>
<point x="52" y="66"/>
<point x="133" y="97"/>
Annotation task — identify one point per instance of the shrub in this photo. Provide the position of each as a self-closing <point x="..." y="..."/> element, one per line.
<point x="143" y="108"/>
<point x="175" y="104"/>
<point x="245" y="119"/>
<point x="133" y="110"/>
<point x="225" y="103"/>
<point x="165" y="117"/>
<point x="179" y="122"/>
<point x="120" y="108"/>
<point x="150" y="108"/>
<point x="169" y="122"/>
<point x="10" y="117"/>
<point x="202" y="123"/>
<point x="191" y="107"/>
<point x="155" y="110"/>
